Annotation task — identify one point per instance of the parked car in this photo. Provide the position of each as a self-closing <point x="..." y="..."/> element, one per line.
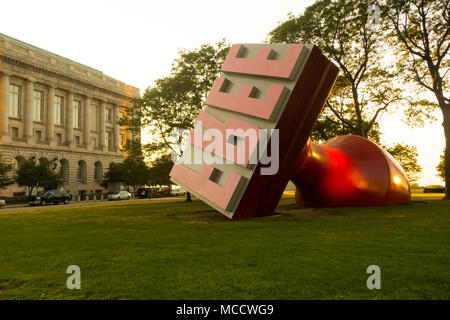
<point x="121" y="195"/>
<point x="2" y="203"/>
<point x="51" y="196"/>
<point x="434" y="189"/>
<point x="177" y="193"/>
<point x="144" y="193"/>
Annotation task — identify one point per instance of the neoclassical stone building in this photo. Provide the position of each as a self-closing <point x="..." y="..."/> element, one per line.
<point x="61" y="110"/>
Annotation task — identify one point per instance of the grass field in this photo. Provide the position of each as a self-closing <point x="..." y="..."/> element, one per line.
<point x="176" y="250"/>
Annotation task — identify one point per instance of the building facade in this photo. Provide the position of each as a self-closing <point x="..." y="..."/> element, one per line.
<point x="58" y="109"/>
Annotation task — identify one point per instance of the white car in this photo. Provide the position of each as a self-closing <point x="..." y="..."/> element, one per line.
<point x="121" y="195"/>
<point x="2" y="203"/>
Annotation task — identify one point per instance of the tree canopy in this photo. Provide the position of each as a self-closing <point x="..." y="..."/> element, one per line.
<point x="174" y="102"/>
<point x="160" y="169"/>
<point x="407" y="155"/>
<point x="441" y="168"/>
<point x="133" y="171"/>
<point x="114" y="174"/>
<point x="32" y="174"/>
<point x="420" y="31"/>
<point x="365" y="86"/>
<point x="349" y="35"/>
<point x="169" y="107"/>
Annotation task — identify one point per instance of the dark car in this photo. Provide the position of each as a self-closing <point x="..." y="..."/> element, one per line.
<point x="51" y="196"/>
<point x="434" y="189"/>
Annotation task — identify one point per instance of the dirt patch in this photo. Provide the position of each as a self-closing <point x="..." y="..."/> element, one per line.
<point x="309" y="212"/>
<point x="212" y="216"/>
<point x="204" y="216"/>
<point x="419" y="202"/>
<point x="10" y="284"/>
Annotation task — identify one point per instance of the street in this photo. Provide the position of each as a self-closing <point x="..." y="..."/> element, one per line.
<point x="22" y="207"/>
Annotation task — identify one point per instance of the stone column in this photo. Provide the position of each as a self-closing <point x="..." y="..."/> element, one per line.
<point x="51" y="114"/>
<point x="101" y="132"/>
<point x="86" y="122"/>
<point x="28" y="110"/>
<point x="69" y="118"/>
<point x="116" y="135"/>
<point x="4" y="105"/>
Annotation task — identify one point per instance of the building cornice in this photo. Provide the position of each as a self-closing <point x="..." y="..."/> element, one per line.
<point x="23" y="55"/>
<point x="47" y="72"/>
<point x="59" y="149"/>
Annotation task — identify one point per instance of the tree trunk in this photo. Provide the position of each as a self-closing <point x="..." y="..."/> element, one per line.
<point x="357" y="107"/>
<point x="446" y="125"/>
<point x="188" y="196"/>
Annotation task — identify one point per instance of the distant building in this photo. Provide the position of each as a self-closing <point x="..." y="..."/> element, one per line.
<point x="58" y="109"/>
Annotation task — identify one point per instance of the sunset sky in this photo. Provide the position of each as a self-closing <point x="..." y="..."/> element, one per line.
<point x="136" y="42"/>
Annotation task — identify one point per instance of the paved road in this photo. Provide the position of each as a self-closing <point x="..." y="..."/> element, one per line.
<point x="22" y="207"/>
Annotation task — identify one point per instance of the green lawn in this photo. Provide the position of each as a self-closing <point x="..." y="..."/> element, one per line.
<point x="169" y="249"/>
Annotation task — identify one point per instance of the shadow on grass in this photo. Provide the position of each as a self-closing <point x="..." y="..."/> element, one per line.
<point x="10" y="284"/>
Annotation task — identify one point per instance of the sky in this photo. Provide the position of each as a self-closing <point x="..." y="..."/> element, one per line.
<point x="135" y="41"/>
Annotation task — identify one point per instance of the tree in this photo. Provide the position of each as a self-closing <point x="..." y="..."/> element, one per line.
<point x="441" y="167"/>
<point x="114" y="174"/>
<point x="407" y="155"/>
<point x="133" y="171"/>
<point x="364" y="89"/>
<point x="160" y="169"/>
<point x="327" y="128"/>
<point x="5" y="174"/>
<point x="174" y="102"/>
<point x="421" y="31"/>
<point x="28" y="175"/>
<point x="32" y="174"/>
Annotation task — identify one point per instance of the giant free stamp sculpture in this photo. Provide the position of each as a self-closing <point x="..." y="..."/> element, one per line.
<point x="252" y="137"/>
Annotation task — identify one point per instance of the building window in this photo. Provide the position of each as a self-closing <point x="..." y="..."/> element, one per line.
<point x="37" y="105"/>
<point x="38" y="135"/>
<point x="59" y="137"/>
<point x="14" y="100"/>
<point x="81" y="171"/>
<point x="108" y="114"/>
<point x="121" y="140"/>
<point x="109" y="141"/>
<point x="77" y="140"/>
<point x="17" y="162"/>
<point x="76" y="114"/>
<point x="94" y="118"/>
<point x="15" y="132"/>
<point x="98" y="171"/>
<point x="94" y="142"/>
<point x="59" y="110"/>
<point x="64" y="170"/>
